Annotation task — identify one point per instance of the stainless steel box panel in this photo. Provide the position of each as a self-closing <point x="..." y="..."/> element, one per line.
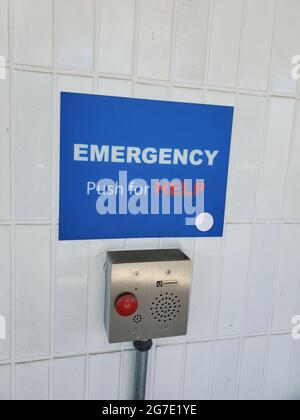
<point x="160" y="280"/>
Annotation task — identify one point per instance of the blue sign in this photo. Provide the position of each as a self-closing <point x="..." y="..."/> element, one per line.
<point x="132" y="168"/>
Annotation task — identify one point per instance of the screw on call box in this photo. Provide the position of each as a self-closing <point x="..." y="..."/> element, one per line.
<point x="134" y="168"/>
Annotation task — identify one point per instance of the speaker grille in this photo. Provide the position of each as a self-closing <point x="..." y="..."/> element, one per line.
<point x="137" y="319"/>
<point x="165" y="307"/>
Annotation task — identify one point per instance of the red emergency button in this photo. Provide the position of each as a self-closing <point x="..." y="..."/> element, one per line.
<point x="126" y="304"/>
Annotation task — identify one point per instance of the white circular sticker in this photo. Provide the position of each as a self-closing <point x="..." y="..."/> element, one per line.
<point x="204" y="222"/>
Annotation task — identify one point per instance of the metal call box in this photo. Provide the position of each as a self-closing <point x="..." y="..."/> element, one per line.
<point x="147" y="294"/>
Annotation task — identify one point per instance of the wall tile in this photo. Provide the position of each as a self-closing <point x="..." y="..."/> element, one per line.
<point x="225" y="43"/>
<point x="76" y="34"/>
<point x="155" y="39"/>
<point x="276" y="158"/>
<point x="141" y="243"/>
<point x="33" y="23"/>
<point x="32" y="300"/>
<point x="206" y="276"/>
<point x="197" y="371"/>
<point x="31" y="381"/>
<point x="287" y="298"/>
<point x="246" y="153"/>
<point x="69" y="378"/>
<point x="144" y="91"/>
<point x="292" y="198"/>
<point x="277" y="368"/>
<point x="168" y="372"/>
<point x="263" y="263"/>
<point x="5" y="383"/>
<point x="187" y="95"/>
<point x="252" y="368"/>
<point x="286" y="46"/>
<point x="127" y="377"/>
<point x="214" y="97"/>
<point x="33" y="142"/>
<point x="225" y="370"/>
<point x="257" y="46"/>
<point x="185" y="244"/>
<point x="191" y="37"/>
<point x="70" y="304"/>
<point x="294" y="373"/>
<point x="116" y="36"/>
<point x="115" y="87"/>
<point x="5" y="147"/>
<point x="4" y="43"/>
<point x="5" y="289"/>
<point x="234" y="279"/>
<point x="102" y="368"/>
<point x="74" y="84"/>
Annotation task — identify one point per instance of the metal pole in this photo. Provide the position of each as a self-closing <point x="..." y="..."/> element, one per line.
<point x="142" y="352"/>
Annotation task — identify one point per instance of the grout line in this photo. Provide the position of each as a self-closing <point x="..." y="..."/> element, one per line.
<point x="151" y="82"/>
<point x="230" y="222"/>
<point x="95" y="39"/>
<point x="291" y="139"/>
<point x="136" y="45"/>
<point x="87" y="359"/>
<point x="208" y="52"/>
<point x="125" y="241"/>
<point x="12" y="197"/>
<point x="88" y="262"/>
<point x="218" y="308"/>
<point x="222" y="250"/>
<point x="97" y="42"/>
<point x="135" y="41"/>
<point x="87" y="377"/>
<point x="172" y="77"/>
<point x="120" y="373"/>
<point x="96" y="49"/>
<point x="258" y="199"/>
<point x="232" y="182"/>
<point x="53" y="194"/>
<point x="231" y="171"/>
<point x="153" y="370"/>
<point x="271" y="314"/>
<point x="290" y="370"/>
<point x="71" y="355"/>
<point x="237" y="222"/>
<point x="173" y="41"/>
<point x="182" y="385"/>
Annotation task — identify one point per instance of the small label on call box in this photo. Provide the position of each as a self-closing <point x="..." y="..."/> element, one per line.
<point x="167" y="283"/>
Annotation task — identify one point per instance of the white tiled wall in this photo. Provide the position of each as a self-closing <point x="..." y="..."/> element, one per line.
<point x="246" y="286"/>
